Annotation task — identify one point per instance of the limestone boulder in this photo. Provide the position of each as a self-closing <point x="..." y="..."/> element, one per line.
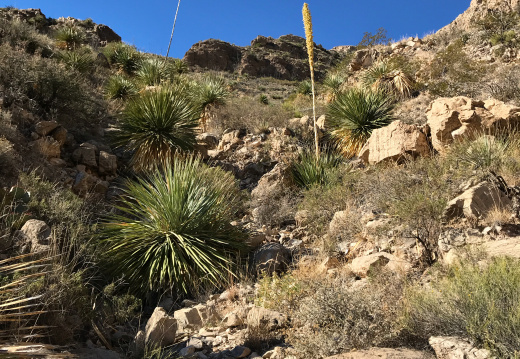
<point x="271" y="258"/>
<point x="107" y="163"/>
<point x="188" y="319"/>
<point x="265" y="318"/>
<point x="457" y="348"/>
<point x="43" y="128"/>
<point x="36" y="235"/>
<point x="507" y="247"/>
<point x="476" y="202"/>
<point x="86" y="183"/>
<point x="504" y="115"/>
<point x="395" y="142"/>
<point x="364" y="266"/>
<point x="85" y="154"/>
<point x="161" y="329"/>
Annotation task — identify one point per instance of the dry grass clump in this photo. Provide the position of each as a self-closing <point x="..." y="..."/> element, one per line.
<point x="247" y="113"/>
<point x="505" y="85"/>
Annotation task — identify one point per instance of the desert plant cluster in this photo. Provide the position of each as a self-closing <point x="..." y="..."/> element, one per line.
<point x="154" y="208"/>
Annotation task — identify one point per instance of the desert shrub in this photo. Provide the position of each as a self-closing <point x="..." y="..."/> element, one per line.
<point x="379" y="38"/>
<point x="124" y="57"/>
<point x="20" y="35"/>
<point x="158" y="124"/>
<point x="505" y="86"/>
<point x="385" y="76"/>
<point x="120" y="87"/>
<point x="174" y="230"/>
<point x="305" y="88"/>
<point x="335" y="318"/>
<point x="70" y="37"/>
<point x="470" y="300"/>
<point x="151" y="72"/>
<point x="498" y="27"/>
<point x="81" y="61"/>
<point x="308" y="171"/>
<point x="46" y="88"/>
<point x="247" y="113"/>
<point x="454" y="73"/>
<point x="355" y="114"/>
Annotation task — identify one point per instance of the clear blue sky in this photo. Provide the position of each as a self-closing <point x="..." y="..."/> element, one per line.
<point x="147" y="24"/>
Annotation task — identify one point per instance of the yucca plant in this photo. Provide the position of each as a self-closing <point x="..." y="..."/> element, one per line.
<point x="333" y="84"/>
<point x="485" y="152"/>
<point x="158" y="124"/>
<point x="307" y="23"/>
<point x="120" y="87"/>
<point x="70" y="37"/>
<point x="305" y="88"/>
<point x="125" y="57"/>
<point x="76" y="60"/>
<point x="210" y="92"/>
<point x="307" y="171"/>
<point x="386" y="77"/>
<point x="151" y="72"/>
<point x="176" y="67"/>
<point x="174" y="229"/>
<point x="355" y="114"/>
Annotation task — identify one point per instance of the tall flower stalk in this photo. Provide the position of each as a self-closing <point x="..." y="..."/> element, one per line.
<point x="307" y="22"/>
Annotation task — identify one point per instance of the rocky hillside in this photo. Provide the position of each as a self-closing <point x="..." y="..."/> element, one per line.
<point x="149" y="211"/>
<point x="283" y="58"/>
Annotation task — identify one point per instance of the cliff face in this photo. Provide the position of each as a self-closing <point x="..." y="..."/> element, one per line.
<point x="284" y="58"/>
<point x="477" y="9"/>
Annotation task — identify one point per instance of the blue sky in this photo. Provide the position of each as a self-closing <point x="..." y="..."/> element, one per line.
<point x="147" y="24"/>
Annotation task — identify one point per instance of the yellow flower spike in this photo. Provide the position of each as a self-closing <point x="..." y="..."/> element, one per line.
<point x="307" y="23"/>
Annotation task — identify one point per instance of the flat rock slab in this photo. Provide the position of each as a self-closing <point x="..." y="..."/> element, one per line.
<point x="383" y="353"/>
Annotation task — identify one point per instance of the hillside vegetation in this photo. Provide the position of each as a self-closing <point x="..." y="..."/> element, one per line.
<point x="153" y="207"/>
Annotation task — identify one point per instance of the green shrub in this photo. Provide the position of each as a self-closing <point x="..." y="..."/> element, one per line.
<point x="76" y="60"/>
<point x="384" y="76"/>
<point x="124" y="57"/>
<point x="151" y="72"/>
<point x="120" y="87"/>
<point x="70" y="37"/>
<point x="498" y="27"/>
<point x="158" y="124"/>
<point x="379" y="38"/>
<point x="264" y="100"/>
<point x="355" y="114"/>
<point x="305" y="88"/>
<point x="307" y="171"/>
<point x="473" y="301"/>
<point x="20" y="35"/>
<point x="174" y="228"/>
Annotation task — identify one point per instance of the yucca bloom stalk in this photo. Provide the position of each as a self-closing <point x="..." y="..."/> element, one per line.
<point x="307" y="22"/>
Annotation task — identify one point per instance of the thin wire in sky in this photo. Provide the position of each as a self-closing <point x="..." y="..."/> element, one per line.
<point x="173" y="29"/>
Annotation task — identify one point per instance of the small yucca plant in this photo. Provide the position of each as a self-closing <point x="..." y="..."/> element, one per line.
<point x="157" y="124"/>
<point x="307" y="22"/>
<point x="151" y="72"/>
<point x="70" y="37"/>
<point x="305" y="88"/>
<point x="173" y="230"/>
<point x="125" y="57"/>
<point x="384" y="76"/>
<point x="308" y="171"/>
<point x="75" y="60"/>
<point x="210" y="92"/>
<point x="355" y="114"/>
<point x="176" y="67"/>
<point x="120" y="87"/>
<point x="333" y="84"/>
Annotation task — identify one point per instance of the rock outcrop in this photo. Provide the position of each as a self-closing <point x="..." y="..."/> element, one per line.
<point x="283" y="58"/>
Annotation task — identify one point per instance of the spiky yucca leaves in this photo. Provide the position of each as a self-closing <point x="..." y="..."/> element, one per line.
<point x="333" y="83"/>
<point x="384" y="76"/>
<point x="120" y="87"/>
<point x="174" y="231"/>
<point x="305" y="88"/>
<point x="125" y="57"/>
<point x="19" y="313"/>
<point x="307" y="23"/>
<point x="210" y="92"/>
<point x="157" y="124"/>
<point x="151" y="72"/>
<point x="70" y="37"/>
<point x="177" y="67"/>
<point x="355" y="114"/>
<point x="307" y="172"/>
<point x="77" y="60"/>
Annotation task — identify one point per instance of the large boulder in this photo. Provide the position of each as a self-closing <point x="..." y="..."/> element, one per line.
<point x="476" y="202"/>
<point x="161" y="329"/>
<point x="364" y="266"/>
<point x="457" y="348"/>
<point x="106" y="34"/>
<point x="395" y="142"/>
<point x="214" y="55"/>
<point x="265" y="318"/>
<point x="507" y="247"/>
<point x="188" y="319"/>
<point x="271" y="258"/>
<point x="460" y="117"/>
<point x="36" y="236"/>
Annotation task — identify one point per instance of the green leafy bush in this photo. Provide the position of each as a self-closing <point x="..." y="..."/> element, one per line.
<point x="174" y="230"/>
<point x="307" y="171"/>
<point x="120" y="87"/>
<point x="473" y="301"/>
<point x="158" y="124"/>
<point x="355" y="114"/>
